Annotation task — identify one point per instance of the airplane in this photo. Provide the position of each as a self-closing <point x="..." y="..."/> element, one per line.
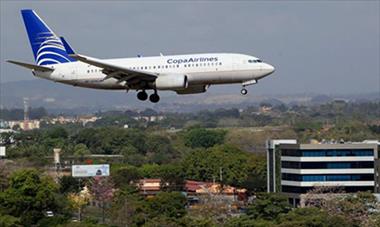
<point x="184" y="74"/>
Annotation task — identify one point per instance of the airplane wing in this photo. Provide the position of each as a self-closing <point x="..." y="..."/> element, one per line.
<point x="116" y="71"/>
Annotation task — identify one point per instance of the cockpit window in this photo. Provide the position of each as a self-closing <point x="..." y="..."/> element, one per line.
<point x="254" y="60"/>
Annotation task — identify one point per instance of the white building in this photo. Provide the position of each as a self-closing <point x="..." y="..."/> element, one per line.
<point x="295" y="169"/>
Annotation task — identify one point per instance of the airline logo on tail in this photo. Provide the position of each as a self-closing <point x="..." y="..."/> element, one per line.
<point x="47" y="47"/>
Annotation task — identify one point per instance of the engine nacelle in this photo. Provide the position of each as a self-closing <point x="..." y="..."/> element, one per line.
<point x="193" y="89"/>
<point x="171" y="82"/>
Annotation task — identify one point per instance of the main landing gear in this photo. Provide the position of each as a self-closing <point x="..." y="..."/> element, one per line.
<point x="154" y="98"/>
<point x="142" y="95"/>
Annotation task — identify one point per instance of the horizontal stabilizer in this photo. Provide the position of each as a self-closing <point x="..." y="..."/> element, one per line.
<point x="31" y="66"/>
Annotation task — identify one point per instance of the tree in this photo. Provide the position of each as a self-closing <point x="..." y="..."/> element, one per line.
<point x="191" y="221"/>
<point x="223" y="161"/>
<point x="256" y="179"/>
<point x="3" y="175"/>
<point x="29" y="195"/>
<point x="128" y="208"/>
<point x="172" y="177"/>
<point x="305" y="217"/>
<point x="80" y="150"/>
<point x="9" y="221"/>
<point x="169" y="204"/>
<point x="78" y="201"/>
<point x="268" y="206"/>
<point x="356" y="208"/>
<point x="246" y="221"/>
<point x="213" y="208"/>
<point x="160" y="221"/>
<point x="132" y="156"/>
<point x="102" y="190"/>
<point x="131" y="209"/>
<point x="158" y="148"/>
<point x="150" y="171"/>
<point x="125" y="176"/>
<point x="69" y="184"/>
<point x="200" y="137"/>
<point x="56" y="132"/>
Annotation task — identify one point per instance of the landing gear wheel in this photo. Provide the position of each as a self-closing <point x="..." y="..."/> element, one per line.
<point x="154" y="98"/>
<point x="142" y="95"/>
<point x="243" y="91"/>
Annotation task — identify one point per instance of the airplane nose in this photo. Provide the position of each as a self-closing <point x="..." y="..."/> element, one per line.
<point x="268" y="68"/>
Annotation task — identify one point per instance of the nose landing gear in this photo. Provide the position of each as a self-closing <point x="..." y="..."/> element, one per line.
<point x="244" y="91"/>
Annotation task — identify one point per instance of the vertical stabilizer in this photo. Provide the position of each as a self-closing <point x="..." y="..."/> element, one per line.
<point x="47" y="47"/>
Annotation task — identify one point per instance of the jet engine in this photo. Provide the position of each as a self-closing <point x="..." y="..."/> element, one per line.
<point x="171" y="82"/>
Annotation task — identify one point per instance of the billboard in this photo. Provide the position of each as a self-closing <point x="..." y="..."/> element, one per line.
<point x="90" y="170"/>
<point x="2" y="151"/>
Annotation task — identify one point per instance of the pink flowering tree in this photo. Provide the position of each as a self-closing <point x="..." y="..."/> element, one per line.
<point x="102" y="191"/>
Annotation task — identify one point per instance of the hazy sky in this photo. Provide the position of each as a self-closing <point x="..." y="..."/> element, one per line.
<point x="318" y="47"/>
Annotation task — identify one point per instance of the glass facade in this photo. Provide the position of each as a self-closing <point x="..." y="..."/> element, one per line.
<point x="327" y="152"/>
<point x="295" y="189"/>
<point x="327" y="177"/>
<point x="327" y="165"/>
<point x="328" y="170"/>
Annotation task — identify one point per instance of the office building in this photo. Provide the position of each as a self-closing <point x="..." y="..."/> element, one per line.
<point x="295" y="169"/>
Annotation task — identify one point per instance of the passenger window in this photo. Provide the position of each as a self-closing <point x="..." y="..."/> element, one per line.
<point x="220" y="63"/>
<point x="166" y="66"/>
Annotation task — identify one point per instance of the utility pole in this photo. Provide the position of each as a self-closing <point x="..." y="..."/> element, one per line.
<point x="221" y="174"/>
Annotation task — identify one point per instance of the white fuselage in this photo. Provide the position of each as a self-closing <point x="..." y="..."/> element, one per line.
<point x="225" y="68"/>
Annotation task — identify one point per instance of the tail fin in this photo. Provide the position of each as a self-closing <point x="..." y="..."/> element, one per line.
<point x="47" y="47"/>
